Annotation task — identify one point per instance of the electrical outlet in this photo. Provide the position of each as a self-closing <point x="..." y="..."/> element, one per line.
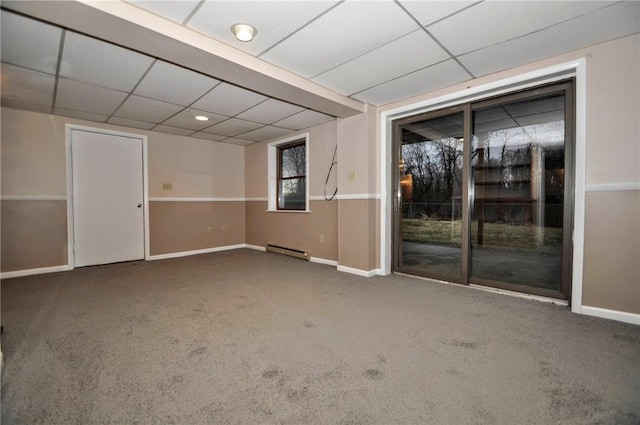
<point x="224" y="227"/>
<point x="321" y="238"/>
<point x="167" y="186"/>
<point x="352" y="175"/>
<point x="209" y="229"/>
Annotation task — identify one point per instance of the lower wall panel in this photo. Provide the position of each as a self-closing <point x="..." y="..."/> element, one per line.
<point x="177" y="226"/>
<point x="297" y="230"/>
<point x="34" y="234"/>
<point x="612" y="250"/>
<point x="358" y="234"/>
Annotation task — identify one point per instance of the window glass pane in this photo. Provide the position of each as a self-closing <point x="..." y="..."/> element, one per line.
<point x="518" y="164"/>
<point x="292" y="194"/>
<point x="293" y="161"/>
<point x="431" y="194"/>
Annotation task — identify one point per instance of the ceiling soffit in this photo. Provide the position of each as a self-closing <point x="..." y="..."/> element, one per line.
<point x="128" y="26"/>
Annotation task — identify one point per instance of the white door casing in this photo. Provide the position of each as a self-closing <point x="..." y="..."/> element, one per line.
<point x="108" y="197"/>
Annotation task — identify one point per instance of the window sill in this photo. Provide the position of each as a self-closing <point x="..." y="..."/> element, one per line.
<point x="289" y="211"/>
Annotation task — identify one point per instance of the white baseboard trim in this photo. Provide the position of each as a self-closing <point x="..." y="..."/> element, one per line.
<point x="195" y="252"/>
<point x="168" y="199"/>
<point x="358" y="272"/>
<point x="29" y="272"/>
<point x="256" y="247"/>
<point x="621" y="316"/>
<point x="323" y="261"/>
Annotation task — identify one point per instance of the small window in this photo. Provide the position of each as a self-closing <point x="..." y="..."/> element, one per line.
<point x="288" y="169"/>
<point x="292" y="166"/>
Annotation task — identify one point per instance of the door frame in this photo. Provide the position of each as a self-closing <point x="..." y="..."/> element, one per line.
<point x="69" y="128"/>
<point x="465" y="92"/>
<point x="465" y="110"/>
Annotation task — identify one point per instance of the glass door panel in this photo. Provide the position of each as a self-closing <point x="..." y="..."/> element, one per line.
<point x="518" y="186"/>
<point x="429" y="226"/>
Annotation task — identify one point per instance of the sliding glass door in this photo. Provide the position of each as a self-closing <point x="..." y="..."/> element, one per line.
<point x="429" y="219"/>
<point x="483" y="192"/>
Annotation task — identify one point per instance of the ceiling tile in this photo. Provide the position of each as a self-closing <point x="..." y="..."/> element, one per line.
<point x="235" y="141"/>
<point x="274" y="20"/>
<point x="83" y="115"/>
<point x="348" y="30"/>
<point x="535" y="106"/>
<point x="304" y="119"/>
<point x="490" y="114"/>
<point x="427" y="12"/>
<point x="186" y="119"/>
<point x="174" y="84"/>
<point x="26" y="86"/>
<point x="503" y="20"/>
<point x="147" y="110"/>
<point x="481" y="129"/>
<point x="29" y="43"/>
<point x="130" y="123"/>
<point x="172" y="130"/>
<point x="623" y="19"/>
<point x="102" y="64"/>
<point x="86" y="97"/>
<point x="176" y="11"/>
<point x="228" y="100"/>
<point x="544" y="118"/>
<point x="402" y="56"/>
<point x="208" y="136"/>
<point x="270" y="111"/>
<point x="434" y="77"/>
<point x="264" y="133"/>
<point x="233" y="127"/>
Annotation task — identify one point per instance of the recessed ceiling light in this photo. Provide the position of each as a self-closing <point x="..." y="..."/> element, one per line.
<point x="244" y="32"/>
<point x="201" y="118"/>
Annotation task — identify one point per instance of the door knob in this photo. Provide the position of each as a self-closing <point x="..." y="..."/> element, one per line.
<point x="139" y="205"/>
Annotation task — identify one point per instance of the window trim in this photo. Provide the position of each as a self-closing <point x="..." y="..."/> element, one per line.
<point x="273" y="149"/>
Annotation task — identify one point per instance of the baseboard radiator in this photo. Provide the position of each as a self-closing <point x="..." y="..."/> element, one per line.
<point x="288" y="251"/>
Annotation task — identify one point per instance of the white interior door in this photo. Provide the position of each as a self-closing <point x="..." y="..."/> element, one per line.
<point x="108" y="198"/>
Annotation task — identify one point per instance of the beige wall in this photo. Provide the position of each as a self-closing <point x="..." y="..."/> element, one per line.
<point x="34" y="234"/>
<point x="358" y="180"/>
<point x="195" y="168"/>
<point x="612" y="239"/>
<point x="255" y="165"/>
<point x="356" y="145"/>
<point x="33" y="158"/>
<point x="298" y="230"/>
<point x="33" y="174"/>
<point x="194" y="225"/>
<point x="613" y="111"/>
<point x="358" y="240"/>
<point x="612" y="157"/>
<point x="33" y="216"/>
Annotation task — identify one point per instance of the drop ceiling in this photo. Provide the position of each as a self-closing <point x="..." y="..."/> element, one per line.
<point x="156" y="64"/>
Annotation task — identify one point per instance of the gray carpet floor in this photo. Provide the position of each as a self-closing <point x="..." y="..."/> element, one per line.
<point x="245" y="337"/>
